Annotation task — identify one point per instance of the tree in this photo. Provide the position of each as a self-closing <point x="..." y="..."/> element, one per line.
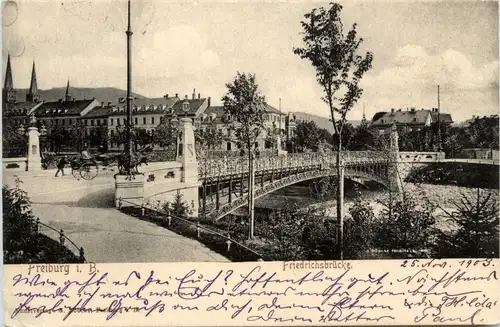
<point x="12" y="141"/>
<point x="477" y="231"/>
<point x="405" y="225"/>
<point x="166" y="134"/>
<point x="284" y="230"/>
<point x="245" y="105"/>
<point x="339" y="69"/>
<point x="359" y="230"/>
<point x="308" y="136"/>
<point x="57" y="137"/>
<point x="208" y="137"/>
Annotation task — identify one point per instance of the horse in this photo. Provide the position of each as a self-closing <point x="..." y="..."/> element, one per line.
<point x="138" y="158"/>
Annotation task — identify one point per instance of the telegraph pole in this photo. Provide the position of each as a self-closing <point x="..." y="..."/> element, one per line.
<point x="129" y="144"/>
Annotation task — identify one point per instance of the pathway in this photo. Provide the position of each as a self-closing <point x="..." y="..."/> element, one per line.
<point x="84" y="210"/>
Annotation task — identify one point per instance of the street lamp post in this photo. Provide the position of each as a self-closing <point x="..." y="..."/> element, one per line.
<point x="129" y="142"/>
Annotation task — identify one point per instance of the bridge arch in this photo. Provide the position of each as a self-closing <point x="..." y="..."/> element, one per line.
<point x="216" y="214"/>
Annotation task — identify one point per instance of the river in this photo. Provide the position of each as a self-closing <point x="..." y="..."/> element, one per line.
<point x="442" y="195"/>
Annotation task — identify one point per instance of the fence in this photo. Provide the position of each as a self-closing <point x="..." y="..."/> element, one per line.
<point x="62" y="238"/>
<point x="216" y="240"/>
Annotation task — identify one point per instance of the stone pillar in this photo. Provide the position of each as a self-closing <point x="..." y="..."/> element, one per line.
<point x="189" y="165"/>
<point x="188" y="154"/>
<point x="395" y="182"/>
<point x="34" y="158"/>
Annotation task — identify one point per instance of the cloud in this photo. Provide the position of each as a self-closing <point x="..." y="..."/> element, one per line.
<point x="177" y="51"/>
<point x="415" y="69"/>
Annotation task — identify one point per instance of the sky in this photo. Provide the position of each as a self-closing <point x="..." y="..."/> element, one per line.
<point x="178" y="46"/>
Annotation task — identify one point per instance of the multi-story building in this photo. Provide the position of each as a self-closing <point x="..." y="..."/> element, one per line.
<point x="65" y="112"/>
<point x="408" y="120"/>
<point x="273" y="121"/>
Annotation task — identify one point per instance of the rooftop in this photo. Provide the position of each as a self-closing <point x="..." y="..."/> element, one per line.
<point x="63" y="108"/>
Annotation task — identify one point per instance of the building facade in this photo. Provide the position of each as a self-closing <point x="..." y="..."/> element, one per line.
<point x="408" y="120"/>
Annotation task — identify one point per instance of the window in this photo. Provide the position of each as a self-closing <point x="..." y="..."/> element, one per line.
<point x="228" y="146"/>
<point x="381" y="131"/>
<point x="152" y="120"/>
<point x="185" y="106"/>
<point x="91" y="122"/>
<point x="118" y="121"/>
<point x="415" y="119"/>
<point x="112" y="132"/>
<point x="256" y="145"/>
<point x="98" y="121"/>
<point x="111" y="121"/>
<point x="382" y="121"/>
<point x="144" y="120"/>
<point x="104" y="121"/>
<point x="135" y="120"/>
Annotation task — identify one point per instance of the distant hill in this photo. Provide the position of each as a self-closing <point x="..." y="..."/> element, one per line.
<point x="322" y="122"/>
<point x="101" y="94"/>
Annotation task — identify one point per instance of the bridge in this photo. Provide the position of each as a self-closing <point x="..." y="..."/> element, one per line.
<point x="216" y="187"/>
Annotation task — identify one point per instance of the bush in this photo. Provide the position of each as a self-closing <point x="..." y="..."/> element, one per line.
<point x="359" y="230"/>
<point x="21" y="241"/>
<point x="405" y="225"/>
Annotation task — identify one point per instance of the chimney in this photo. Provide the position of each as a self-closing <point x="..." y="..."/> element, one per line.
<point x="392" y="110"/>
<point x="194" y="93"/>
<point x="109" y="104"/>
<point x="199" y="96"/>
<point x="102" y="104"/>
<point x="60" y="100"/>
<point x="177" y="95"/>
<point x="208" y="100"/>
<point x="166" y="96"/>
<point x="186" y="97"/>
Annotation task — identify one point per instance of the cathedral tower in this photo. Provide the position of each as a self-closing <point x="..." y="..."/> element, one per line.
<point x="32" y="95"/>
<point x="8" y="92"/>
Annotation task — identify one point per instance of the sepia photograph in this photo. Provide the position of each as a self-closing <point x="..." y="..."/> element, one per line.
<point x="161" y="131"/>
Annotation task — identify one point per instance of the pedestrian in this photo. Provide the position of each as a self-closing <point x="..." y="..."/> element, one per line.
<point x="60" y="166"/>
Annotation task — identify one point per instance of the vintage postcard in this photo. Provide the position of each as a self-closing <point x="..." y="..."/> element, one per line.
<point x="229" y="163"/>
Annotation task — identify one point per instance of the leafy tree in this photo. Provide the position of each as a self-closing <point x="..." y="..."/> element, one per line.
<point x="11" y="139"/>
<point x="246" y="107"/>
<point x="477" y="231"/>
<point x="484" y="132"/>
<point x="166" y="134"/>
<point x="405" y="225"/>
<point x="359" y="230"/>
<point x="57" y="137"/>
<point x="339" y="69"/>
<point x="308" y="136"/>
<point x="99" y="136"/>
<point x="208" y="137"/>
<point x="284" y="230"/>
<point x="363" y="139"/>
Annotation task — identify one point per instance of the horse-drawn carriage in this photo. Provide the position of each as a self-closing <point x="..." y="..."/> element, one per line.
<point x="87" y="167"/>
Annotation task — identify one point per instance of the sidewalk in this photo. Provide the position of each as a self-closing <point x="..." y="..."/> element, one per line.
<point x="109" y="236"/>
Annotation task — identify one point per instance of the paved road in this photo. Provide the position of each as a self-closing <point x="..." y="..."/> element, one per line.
<point x="84" y="210"/>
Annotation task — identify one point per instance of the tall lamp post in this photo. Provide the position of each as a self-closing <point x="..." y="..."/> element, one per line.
<point x="129" y="146"/>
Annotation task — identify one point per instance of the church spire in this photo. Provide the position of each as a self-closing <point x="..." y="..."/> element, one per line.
<point x="9" y="84"/>
<point x="8" y="92"/>
<point x="67" y="97"/>
<point x="33" y="90"/>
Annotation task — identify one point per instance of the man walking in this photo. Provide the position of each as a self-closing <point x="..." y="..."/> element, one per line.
<point x="60" y="166"/>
